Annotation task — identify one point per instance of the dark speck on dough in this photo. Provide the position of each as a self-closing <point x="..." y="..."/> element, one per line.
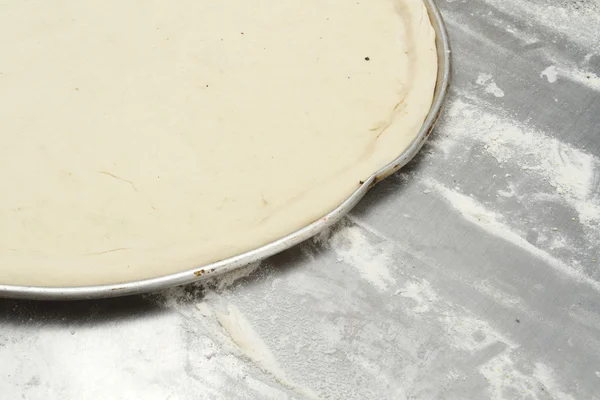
<point x="367" y="58"/>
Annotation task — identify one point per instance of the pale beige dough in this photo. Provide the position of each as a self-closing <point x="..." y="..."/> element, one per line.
<point x="142" y="138"/>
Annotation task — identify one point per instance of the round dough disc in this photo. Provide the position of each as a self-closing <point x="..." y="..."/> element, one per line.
<point x="141" y="139"/>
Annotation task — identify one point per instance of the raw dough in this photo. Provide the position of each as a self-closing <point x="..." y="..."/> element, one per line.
<point x="143" y="138"/>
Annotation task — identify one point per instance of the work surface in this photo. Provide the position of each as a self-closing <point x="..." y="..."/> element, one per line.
<point x="473" y="273"/>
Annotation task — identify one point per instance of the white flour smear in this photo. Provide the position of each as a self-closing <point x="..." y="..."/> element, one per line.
<point x="228" y="279"/>
<point x="244" y="336"/>
<point x="370" y="259"/>
<point x="130" y="355"/>
<point x="507" y="382"/>
<point x="570" y="171"/>
<point x="573" y="73"/>
<point x="545" y="376"/>
<point x="577" y="22"/>
<point x="550" y="73"/>
<point x="584" y="77"/>
<point x="216" y="320"/>
<point x="493" y="223"/>
<point x="421" y="293"/>
<point x="580" y="21"/>
<point x="490" y="86"/>
<point x="253" y="347"/>
<point x="508" y="300"/>
<point x="467" y="333"/>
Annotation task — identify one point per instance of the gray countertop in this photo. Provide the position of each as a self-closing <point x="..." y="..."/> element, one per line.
<point x="473" y="273"/>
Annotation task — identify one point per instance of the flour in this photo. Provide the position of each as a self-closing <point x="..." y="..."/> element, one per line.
<point x="505" y="381"/>
<point x="508" y="300"/>
<point x="586" y="78"/>
<point x="469" y="334"/>
<point x="506" y="140"/>
<point x="550" y="73"/>
<point x="582" y="77"/>
<point x="490" y="86"/>
<point x="421" y="293"/>
<point x="545" y="375"/>
<point x="371" y="260"/>
<point x="578" y="21"/>
<point x="130" y="355"/>
<point x="217" y="321"/>
<point x="204" y="309"/>
<point x="241" y="332"/>
<point x="562" y="174"/>
<point x="230" y="278"/>
<point x="252" y="346"/>
<point x="493" y="223"/>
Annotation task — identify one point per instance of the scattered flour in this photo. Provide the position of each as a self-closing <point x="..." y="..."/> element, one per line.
<point x="493" y="223"/>
<point x="545" y="376"/>
<point x="472" y="334"/>
<point x="486" y="81"/>
<point x="550" y="73"/>
<point x="505" y="381"/>
<point x="467" y="333"/>
<point x="371" y="260"/>
<point x="581" y="24"/>
<point x="204" y="309"/>
<point x="250" y="343"/>
<point x="511" y="192"/>
<point x="421" y="293"/>
<point x="228" y="279"/>
<point x="242" y="334"/>
<point x="507" y="300"/>
<point x="573" y="73"/>
<point x="130" y="355"/>
<point x="569" y="170"/>
<point x="583" y="77"/>
<point x="221" y="320"/>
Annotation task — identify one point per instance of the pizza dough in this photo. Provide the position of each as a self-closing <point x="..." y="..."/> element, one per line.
<point x="145" y="138"/>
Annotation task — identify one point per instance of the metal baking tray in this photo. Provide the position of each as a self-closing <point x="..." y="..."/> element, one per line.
<point x="229" y="264"/>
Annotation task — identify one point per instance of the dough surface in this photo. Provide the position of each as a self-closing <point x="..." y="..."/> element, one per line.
<point x="143" y="138"/>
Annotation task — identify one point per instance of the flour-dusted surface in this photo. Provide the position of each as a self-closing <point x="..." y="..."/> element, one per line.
<point x="473" y="274"/>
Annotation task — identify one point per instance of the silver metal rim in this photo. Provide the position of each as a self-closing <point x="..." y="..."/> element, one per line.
<point x="203" y="272"/>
